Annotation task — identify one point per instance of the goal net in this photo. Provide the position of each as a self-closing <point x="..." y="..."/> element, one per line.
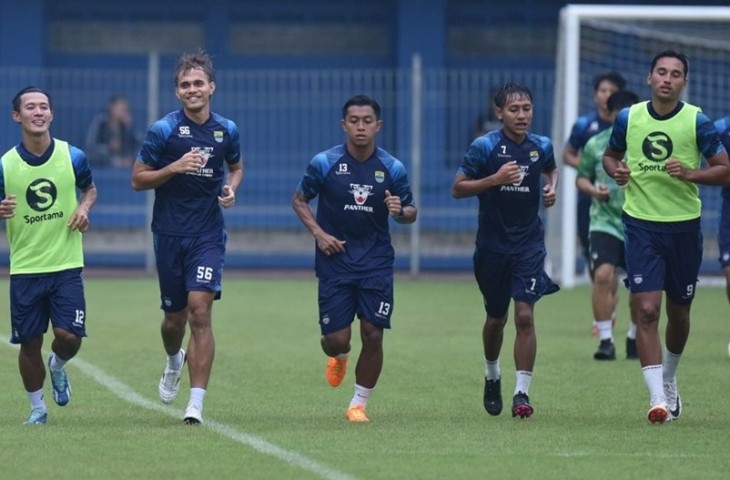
<point x="598" y="38"/>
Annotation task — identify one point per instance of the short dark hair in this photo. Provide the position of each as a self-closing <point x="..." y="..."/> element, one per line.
<point x="361" y="101"/>
<point x="29" y="89"/>
<point x="511" y="88"/>
<point x="613" y="77"/>
<point x="197" y="60"/>
<point x="621" y="99"/>
<point x="671" y="54"/>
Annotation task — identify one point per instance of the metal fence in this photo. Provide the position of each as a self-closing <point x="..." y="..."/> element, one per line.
<point x="285" y="117"/>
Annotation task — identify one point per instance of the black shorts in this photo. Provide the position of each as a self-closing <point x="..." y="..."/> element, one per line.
<point x="606" y="248"/>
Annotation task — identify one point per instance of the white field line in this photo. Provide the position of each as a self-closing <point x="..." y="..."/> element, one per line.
<point x="127" y="394"/>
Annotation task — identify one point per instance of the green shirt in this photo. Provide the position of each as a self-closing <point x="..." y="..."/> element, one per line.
<point x="651" y="193"/>
<point x="605" y="216"/>
<point x="39" y="237"/>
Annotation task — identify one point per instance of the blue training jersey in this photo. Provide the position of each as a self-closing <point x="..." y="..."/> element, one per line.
<point x="585" y="127"/>
<point x="187" y="204"/>
<point x="78" y="160"/>
<point x="508" y="214"/>
<point x="723" y="129"/>
<point x="351" y="207"/>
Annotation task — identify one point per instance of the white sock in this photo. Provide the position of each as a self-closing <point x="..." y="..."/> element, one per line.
<point x="196" y="396"/>
<point x="654" y="382"/>
<point x="670" y="362"/>
<point x="491" y="369"/>
<point x="56" y="363"/>
<point x="37" y="402"/>
<point x="361" y="396"/>
<point x="605" y="329"/>
<point x="174" y="362"/>
<point x="632" y="331"/>
<point x="523" y="381"/>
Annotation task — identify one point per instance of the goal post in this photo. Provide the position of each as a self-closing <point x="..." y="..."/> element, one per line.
<point x="593" y="39"/>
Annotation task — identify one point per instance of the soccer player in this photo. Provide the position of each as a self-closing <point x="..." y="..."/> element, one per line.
<point x="655" y="150"/>
<point x="723" y="235"/>
<point x="585" y="127"/>
<point x="360" y="187"/>
<point x="510" y="170"/>
<point x="606" y="232"/>
<point x="184" y="158"/>
<point x="44" y="225"/>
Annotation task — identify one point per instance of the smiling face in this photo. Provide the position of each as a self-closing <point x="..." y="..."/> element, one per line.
<point x="34" y="114"/>
<point x="194" y="90"/>
<point x="667" y="80"/>
<point x="516" y="115"/>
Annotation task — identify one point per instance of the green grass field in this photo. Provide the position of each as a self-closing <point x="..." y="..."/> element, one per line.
<point x="270" y="414"/>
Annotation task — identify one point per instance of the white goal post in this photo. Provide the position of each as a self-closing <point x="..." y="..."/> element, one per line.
<point x="594" y="39"/>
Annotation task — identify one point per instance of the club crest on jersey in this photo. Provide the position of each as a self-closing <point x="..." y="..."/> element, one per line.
<point x="534" y="156"/>
<point x="379" y="176"/>
<point x="218" y="136"/>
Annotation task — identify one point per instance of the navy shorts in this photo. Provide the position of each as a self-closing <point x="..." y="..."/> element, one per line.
<point x="606" y="248"/>
<point x="663" y="260"/>
<point x="369" y="298"/>
<point x="520" y="276"/>
<point x="189" y="264"/>
<point x="723" y="235"/>
<point x="37" y="299"/>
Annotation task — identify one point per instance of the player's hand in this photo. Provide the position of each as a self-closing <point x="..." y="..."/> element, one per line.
<point x="548" y="196"/>
<point x="601" y="193"/>
<point x="676" y="170"/>
<point x="79" y="220"/>
<point x="228" y="197"/>
<point x="509" y="174"/>
<point x="7" y="207"/>
<point x="393" y="204"/>
<point x="188" y="163"/>
<point x="622" y="173"/>
<point x="330" y="245"/>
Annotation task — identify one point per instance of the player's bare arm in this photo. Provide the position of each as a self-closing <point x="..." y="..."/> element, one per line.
<point x="718" y="173"/>
<point x="327" y="243"/>
<point x="228" y="192"/>
<point x="508" y="173"/>
<point x="80" y="218"/>
<point x="145" y="177"/>
<point x="550" y="189"/>
<point x="7" y="207"/>
<point x="571" y="157"/>
<point x="615" y="166"/>
<point x="401" y="214"/>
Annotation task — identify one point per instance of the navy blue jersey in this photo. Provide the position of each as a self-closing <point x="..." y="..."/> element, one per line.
<point x="187" y="204"/>
<point x="508" y="214"/>
<point x="352" y="208"/>
<point x="586" y="127"/>
<point x="723" y="129"/>
<point x="78" y="160"/>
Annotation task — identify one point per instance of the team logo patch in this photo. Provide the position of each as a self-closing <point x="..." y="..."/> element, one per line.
<point x="41" y="194"/>
<point x="534" y="156"/>
<point x="657" y="147"/>
<point x="218" y="136"/>
<point x="379" y="176"/>
<point x="360" y="192"/>
<point x="638" y="279"/>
